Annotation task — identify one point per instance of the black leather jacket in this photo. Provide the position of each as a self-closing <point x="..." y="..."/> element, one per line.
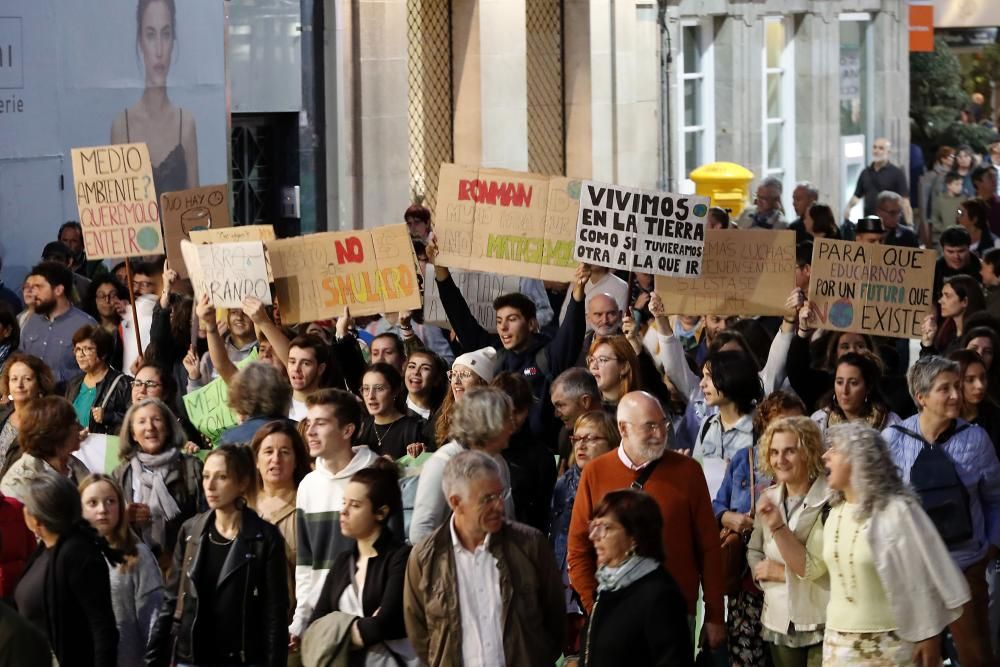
<point x="118" y="393"/>
<point x="253" y="585"/>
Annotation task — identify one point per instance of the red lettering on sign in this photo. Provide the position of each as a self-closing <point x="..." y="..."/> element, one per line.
<point x="494" y="193"/>
<point x="349" y="251"/>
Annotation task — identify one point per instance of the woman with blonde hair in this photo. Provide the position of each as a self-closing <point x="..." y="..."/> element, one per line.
<point x="877" y="543"/>
<point x="795" y="599"/>
<point x="472" y="369"/>
<point x="614" y="364"/>
<point x="594" y="433"/>
<point x="136" y="584"/>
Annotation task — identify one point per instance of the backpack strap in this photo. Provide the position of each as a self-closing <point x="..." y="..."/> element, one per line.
<point x="917" y="436"/>
<point x="111" y="390"/>
<point x="707" y="425"/>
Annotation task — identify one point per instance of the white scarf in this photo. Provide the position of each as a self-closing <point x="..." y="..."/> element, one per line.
<point x="148" y="479"/>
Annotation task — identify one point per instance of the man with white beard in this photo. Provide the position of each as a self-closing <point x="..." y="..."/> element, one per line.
<point x="677" y="484"/>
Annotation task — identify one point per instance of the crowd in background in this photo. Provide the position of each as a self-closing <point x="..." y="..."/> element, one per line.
<point x="593" y="480"/>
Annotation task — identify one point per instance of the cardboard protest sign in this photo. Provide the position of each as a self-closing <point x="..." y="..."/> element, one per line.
<point x="231" y="234"/>
<point x="228" y="272"/>
<point x="187" y="211"/>
<point x="241" y="233"/>
<point x="744" y="272"/>
<point x="117" y="201"/>
<point x="371" y="271"/>
<point x="871" y="288"/>
<point x="640" y="230"/>
<point x="208" y="406"/>
<point x="479" y="291"/>
<point x="506" y="222"/>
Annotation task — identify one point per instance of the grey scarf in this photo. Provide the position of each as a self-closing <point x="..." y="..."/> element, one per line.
<point x="626" y="574"/>
<point x="149" y="473"/>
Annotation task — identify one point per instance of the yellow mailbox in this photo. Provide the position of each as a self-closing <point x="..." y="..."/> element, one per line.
<point x="727" y="183"/>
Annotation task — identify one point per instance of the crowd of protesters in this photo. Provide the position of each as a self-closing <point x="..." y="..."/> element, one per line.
<point x="592" y="481"/>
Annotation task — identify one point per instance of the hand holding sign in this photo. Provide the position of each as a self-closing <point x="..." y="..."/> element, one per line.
<point x="254" y="309"/>
<point x="206" y="313"/>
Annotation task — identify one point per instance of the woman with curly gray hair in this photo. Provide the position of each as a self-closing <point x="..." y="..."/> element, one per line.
<point x="893" y="585"/>
<point x="483" y="420"/>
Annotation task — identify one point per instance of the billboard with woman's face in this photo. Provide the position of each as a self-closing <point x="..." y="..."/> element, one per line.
<point x="83" y="73"/>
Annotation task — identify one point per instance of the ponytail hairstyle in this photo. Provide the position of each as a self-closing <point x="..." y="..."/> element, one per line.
<point x="241" y="465"/>
<point x="382" y="481"/>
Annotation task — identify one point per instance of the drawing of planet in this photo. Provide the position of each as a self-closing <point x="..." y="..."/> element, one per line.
<point x="841" y="314"/>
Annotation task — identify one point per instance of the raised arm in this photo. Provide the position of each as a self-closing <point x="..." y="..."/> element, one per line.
<point x="216" y="346"/>
<point x="675" y="366"/>
<point x="254" y="309"/>
<point x="470" y="333"/>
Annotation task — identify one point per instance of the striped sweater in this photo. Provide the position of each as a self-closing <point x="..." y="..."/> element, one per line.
<point x="318" y="539"/>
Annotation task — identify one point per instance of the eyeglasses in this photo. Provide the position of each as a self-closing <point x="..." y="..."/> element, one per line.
<point x="893" y="212"/>
<point x="109" y="296"/>
<point x="650" y="427"/>
<point x="372" y="388"/>
<point x="587" y="439"/>
<point x="465" y="375"/>
<point x="147" y="384"/>
<point x="142" y="284"/>
<point x="494" y="498"/>
<point x="597" y="529"/>
<point x="85" y="349"/>
<point x="601" y="361"/>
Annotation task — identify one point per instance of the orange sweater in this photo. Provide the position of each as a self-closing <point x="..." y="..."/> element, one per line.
<point x="690" y="532"/>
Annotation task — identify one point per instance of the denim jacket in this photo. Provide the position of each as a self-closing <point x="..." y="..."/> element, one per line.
<point x="734" y="494"/>
<point x="562" y="511"/>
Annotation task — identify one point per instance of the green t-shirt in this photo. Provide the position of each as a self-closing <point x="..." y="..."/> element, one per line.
<point x="83" y="403"/>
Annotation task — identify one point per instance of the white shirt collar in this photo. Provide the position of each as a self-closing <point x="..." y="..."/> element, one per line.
<point x="457" y="542"/>
<point x="627" y="462"/>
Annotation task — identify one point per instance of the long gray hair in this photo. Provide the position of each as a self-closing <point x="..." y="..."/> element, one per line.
<point x="874" y="476"/>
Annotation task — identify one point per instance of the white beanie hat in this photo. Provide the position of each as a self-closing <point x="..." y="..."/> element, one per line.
<point x="482" y="362"/>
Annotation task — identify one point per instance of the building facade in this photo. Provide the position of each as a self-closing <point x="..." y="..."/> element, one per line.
<point x="633" y="92"/>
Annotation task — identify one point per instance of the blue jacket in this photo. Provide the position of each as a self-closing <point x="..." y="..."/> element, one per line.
<point x="734" y="494"/>
<point x="976" y="464"/>
<point x="562" y="511"/>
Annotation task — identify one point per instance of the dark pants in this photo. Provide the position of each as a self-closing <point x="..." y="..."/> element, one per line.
<point x="971" y="632"/>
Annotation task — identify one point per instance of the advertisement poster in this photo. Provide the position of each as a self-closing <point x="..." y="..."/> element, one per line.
<point x="77" y="74"/>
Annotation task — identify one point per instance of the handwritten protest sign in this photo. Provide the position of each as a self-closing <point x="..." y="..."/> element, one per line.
<point x="479" y="291"/>
<point x="640" y="230"/>
<point x="744" y="272"/>
<point x="208" y="407"/>
<point x="506" y="222"/>
<point x="874" y="289"/>
<point x="227" y="272"/>
<point x="116" y="200"/>
<point x="371" y="271"/>
<point x="232" y="234"/>
<point x="187" y="211"/>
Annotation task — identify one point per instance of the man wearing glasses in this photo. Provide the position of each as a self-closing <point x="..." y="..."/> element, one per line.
<point x="766" y="212"/>
<point x="890" y="207"/>
<point x="482" y="589"/>
<point x="879" y="176"/>
<point x="677" y="484"/>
